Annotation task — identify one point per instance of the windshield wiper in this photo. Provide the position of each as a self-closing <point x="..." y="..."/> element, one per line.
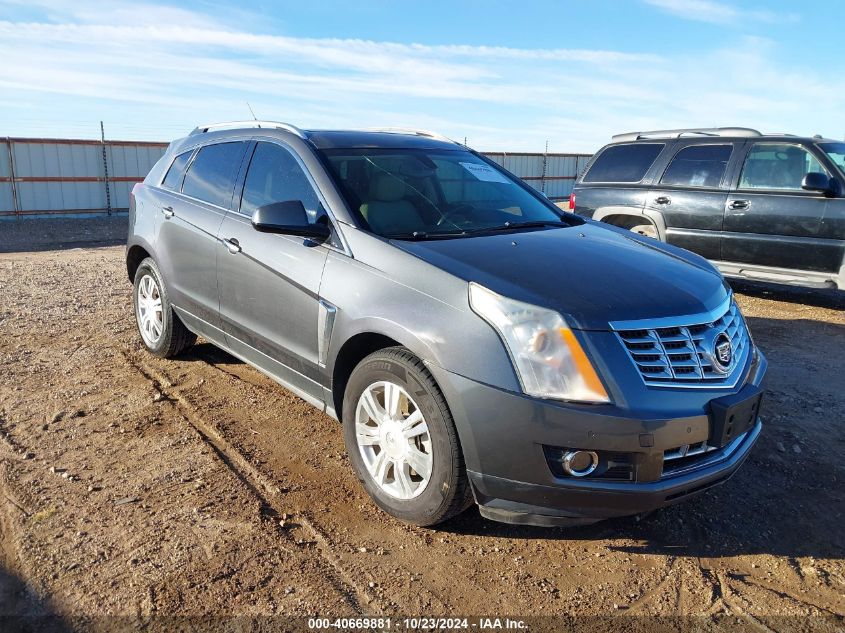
<point x="510" y="226"/>
<point x="507" y="226"/>
<point x="422" y="235"/>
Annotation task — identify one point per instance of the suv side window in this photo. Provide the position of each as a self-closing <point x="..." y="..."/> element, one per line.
<point x="624" y="163"/>
<point x="211" y="177"/>
<point x="275" y="176"/>
<point x="778" y="166"/>
<point x="173" y="179"/>
<point x="698" y="166"/>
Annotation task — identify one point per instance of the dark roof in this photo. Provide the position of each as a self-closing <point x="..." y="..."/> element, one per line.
<point x="348" y="139"/>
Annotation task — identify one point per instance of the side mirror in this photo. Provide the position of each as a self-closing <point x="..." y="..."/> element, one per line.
<point x="817" y="181"/>
<point x="288" y="218"/>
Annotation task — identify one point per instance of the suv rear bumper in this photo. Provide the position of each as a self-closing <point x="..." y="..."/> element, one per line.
<point x="505" y="438"/>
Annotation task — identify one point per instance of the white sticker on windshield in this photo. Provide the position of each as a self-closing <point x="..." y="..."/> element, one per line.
<point x="485" y="173"/>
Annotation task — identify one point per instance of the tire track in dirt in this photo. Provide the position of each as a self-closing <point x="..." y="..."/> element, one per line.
<point x="326" y="545"/>
<point x="783" y="594"/>
<point x="260" y="486"/>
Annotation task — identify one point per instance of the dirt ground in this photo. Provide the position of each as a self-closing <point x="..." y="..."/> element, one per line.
<point x="138" y="487"/>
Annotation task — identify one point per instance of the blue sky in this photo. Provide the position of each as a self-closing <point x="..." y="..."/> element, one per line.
<point x="504" y="75"/>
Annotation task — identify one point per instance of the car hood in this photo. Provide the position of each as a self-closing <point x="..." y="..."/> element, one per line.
<point x="591" y="274"/>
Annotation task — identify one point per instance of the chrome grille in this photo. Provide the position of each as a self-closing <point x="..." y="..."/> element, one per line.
<point x="689" y="457"/>
<point x="679" y="352"/>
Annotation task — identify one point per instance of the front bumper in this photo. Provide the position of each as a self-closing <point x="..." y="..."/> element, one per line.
<point x="503" y="435"/>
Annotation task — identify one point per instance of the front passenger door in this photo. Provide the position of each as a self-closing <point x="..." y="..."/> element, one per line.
<point x="269" y="283"/>
<point x="770" y="220"/>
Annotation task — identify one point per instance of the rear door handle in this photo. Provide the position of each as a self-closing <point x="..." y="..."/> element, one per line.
<point x="233" y="245"/>
<point x="167" y="211"/>
<point x="739" y="204"/>
<point x="663" y="200"/>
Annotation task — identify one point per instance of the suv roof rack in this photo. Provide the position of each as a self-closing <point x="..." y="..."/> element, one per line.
<point x="412" y="131"/>
<point x="238" y="124"/>
<point x="710" y="131"/>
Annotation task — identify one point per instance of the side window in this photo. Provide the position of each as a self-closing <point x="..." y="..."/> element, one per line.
<point x="698" y="166"/>
<point x="173" y="179"/>
<point x="624" y="163"/>
<point x="778" y="166"/>
<point x="275" y="176"/>
<point x="211" y="176"/>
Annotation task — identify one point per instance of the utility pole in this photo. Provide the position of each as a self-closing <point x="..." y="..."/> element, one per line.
<point x="105" y="168"/>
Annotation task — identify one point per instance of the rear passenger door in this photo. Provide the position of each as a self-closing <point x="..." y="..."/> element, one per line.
<point x="770" y="220"/>
<point x="690" y="196"/>
<point x="269" y="283"/>
<point x="196" y="193"/>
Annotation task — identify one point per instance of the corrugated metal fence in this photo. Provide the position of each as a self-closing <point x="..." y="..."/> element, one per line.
<point x="551" y="174"/>
<point x="71" y="177"/>
<point x="77" y="177"/>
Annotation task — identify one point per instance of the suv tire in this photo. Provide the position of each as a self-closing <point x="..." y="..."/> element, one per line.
<point x="420" y="431"/>
<point x="161" y="330"/>
<point x="649" y="230"/>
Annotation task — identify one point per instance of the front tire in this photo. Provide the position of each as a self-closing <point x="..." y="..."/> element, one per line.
<point x="161" y="330"/>
<point x="402" y="441"/>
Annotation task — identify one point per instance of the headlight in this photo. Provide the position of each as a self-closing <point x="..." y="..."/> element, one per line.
<point x="546" y="355"/>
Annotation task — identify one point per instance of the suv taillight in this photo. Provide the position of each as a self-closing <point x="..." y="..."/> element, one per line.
<point x="572" y="202"/>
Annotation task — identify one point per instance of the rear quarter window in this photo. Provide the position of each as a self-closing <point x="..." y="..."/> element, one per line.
<point x="173" y="179"/>
<point x="624" y="163"/>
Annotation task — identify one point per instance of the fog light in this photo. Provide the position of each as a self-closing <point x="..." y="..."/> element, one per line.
<point x="579" y="463"/>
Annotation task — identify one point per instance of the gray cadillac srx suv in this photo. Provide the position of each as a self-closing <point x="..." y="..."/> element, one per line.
<point x="477" y="343"/>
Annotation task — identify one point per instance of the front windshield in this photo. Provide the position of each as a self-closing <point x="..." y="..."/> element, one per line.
<point x="416" y="192"/>
<point x="836" y="153"/>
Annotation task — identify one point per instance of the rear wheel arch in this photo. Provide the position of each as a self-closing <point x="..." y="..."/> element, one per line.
<point x="134" y="256"/>
<point x="631" y="219"/>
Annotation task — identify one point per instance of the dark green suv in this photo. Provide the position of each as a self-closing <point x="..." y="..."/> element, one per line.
<point x="768" y="207"/>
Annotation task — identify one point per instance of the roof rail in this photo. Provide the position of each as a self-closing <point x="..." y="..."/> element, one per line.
<point x="709" y="131"/>
<point x="238" y="124"/>
<point x="415" y="132"/>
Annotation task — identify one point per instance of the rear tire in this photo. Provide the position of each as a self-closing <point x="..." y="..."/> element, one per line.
<point x="649" y="230"/>
<point x="395" y="419"/>
<point x="161" y="330"/>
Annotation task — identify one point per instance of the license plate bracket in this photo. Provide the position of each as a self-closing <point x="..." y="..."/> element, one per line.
<point x="731" y="416"/>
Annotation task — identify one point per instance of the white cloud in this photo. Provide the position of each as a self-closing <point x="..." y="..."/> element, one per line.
<point x="719" y="12"/>
<point x="154" y="78"/>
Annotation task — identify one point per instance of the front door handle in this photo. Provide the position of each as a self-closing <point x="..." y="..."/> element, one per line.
<point x="233" y="245"/>
<point x="739" y="204"/>
<point x="167" y="211"/>
<point x="663" y="200"/>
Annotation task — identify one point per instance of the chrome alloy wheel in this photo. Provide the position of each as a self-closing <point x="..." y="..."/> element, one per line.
<point x="393" y="439"/>
<point x="148" y="310"/>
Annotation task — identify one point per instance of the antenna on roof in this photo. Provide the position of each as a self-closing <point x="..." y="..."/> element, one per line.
<point x="250" y="111"/>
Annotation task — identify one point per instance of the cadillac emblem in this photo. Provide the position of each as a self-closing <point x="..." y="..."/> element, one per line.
<point x="723" y="353"/>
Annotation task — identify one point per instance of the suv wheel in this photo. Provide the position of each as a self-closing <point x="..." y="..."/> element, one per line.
<point x="161" y="330"/>
<point x="649" y="230"/>
<point x="401" y="439"/>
